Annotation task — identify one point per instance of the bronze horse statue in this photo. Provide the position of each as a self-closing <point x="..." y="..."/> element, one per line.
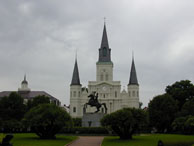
<point x="93" y="101"/>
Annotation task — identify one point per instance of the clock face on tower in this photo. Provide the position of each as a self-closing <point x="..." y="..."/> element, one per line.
<point x="104" y="88"/>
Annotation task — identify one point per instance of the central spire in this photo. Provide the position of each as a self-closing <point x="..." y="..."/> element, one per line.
<point x="104" y="42"/>
<point x="104" y="51"/>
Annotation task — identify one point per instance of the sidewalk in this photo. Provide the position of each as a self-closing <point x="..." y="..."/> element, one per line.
<point x="88" y="141"/>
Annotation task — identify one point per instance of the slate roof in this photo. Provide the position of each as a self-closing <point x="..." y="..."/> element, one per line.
<point x="75" y="78"/>
<point x="28" y="94"/>
<point x="133" y="75"/>
<point x="104" y="42"/>
<point x="104" y="51"/>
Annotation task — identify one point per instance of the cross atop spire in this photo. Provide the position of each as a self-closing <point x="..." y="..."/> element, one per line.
<point x="104" y="20"/>
<point x="133" y="75"/>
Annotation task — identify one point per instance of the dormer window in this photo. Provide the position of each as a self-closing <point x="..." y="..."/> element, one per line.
<point x="104" y="52"/>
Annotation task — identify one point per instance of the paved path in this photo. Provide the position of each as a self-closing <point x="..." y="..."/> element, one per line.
<point x="88" y="141"/>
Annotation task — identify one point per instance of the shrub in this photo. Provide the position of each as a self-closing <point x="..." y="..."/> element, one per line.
<point x="125" y="122"/>
<point x="46" y="120"/>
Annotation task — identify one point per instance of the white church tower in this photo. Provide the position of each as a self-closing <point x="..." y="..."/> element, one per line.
<point x="24" y="86"/>
<point x="109" y="91"/>
<point x="75" y="92"/>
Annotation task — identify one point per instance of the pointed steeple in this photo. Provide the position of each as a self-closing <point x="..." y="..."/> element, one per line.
<point x="75" y="77"/>
<point x="104" y="51"/>
<point x="24" y="81"/>
<point x="104" y="42"/>
<point x="133" y="75"/>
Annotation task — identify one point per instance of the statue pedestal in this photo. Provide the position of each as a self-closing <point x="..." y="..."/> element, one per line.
<point x="92" y="119"/>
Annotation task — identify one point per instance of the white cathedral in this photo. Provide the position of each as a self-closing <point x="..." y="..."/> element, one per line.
<point x="109" y="91"/>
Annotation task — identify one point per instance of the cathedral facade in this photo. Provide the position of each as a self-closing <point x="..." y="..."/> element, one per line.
<point x="109" y="91"/>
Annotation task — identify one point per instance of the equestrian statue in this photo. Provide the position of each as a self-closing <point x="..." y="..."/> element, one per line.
<point x="93" y="101"/>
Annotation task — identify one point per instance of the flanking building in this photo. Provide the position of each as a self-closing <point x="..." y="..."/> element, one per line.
<point x="109" y="91"/>
<point x="27" y="94"/>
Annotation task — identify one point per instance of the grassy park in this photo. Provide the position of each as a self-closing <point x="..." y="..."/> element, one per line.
<point x="29" y="139"/>
<point x="148" y="140"/>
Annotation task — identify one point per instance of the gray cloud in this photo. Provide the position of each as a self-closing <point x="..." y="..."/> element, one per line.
<point x="40" y="39"/>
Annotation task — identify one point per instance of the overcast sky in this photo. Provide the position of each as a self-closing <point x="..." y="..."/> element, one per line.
<point x="40" y="38"/>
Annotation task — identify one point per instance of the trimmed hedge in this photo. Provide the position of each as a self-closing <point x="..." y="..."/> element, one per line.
<point x="85" y="130"/>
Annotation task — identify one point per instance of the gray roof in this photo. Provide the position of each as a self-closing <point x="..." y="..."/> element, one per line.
<point x="133" y="75"/>
<point x="104" y="42"/>
<point x="75" y="77"/>
<point x="104" y="51"/>
<point x="28" y="94"/>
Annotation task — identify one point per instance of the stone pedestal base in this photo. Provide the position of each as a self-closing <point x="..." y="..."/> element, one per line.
<point x="92" y="119"/>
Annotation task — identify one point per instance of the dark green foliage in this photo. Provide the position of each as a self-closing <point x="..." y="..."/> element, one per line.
<point x="46" y="120"/>
<point x="162" y="111"/>
<point x="77" y="122"/>
<point x="125" y="122"/>
<point x="12" y="107"/>
<point x="12" y="111"/>
<point x="184" y="125"/>
<point x="189" y="125"/>
<point x="181" y="91"/>
<point x="178" y="124"/>
<point x="188" y="108"/>
<point x="41" y="99"/>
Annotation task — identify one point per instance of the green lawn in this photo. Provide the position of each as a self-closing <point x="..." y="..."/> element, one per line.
<point x="30" y="139"/>
<point x="146" y="140"/>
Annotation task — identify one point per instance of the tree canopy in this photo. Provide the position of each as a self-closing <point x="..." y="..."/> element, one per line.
<point x="12" y="110"/>
<point x="41" y="99"/>
<point x="12" y="107"/>
<point x="162" y="110"/>
<point x="181" y="91"/>
<point x="46" y="120"/>
<point x="125" y="122"/>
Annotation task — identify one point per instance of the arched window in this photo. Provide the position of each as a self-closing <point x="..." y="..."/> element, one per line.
<point x="74" y="93"/>
<point x="115" y="93"/>
<point x="79" y="94"/>
<point x="101" y="77"/>
<point x="129" y="94"/>
<point x="104" y="51"/>
<point x="74" y="109"/>
<point x="106" y="77"/>
<point x="133" y="93"/>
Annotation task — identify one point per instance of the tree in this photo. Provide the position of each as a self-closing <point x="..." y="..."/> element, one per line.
<point x="12" y="107"/>
<point x="162" y="110"/>
<point x="189" y="125"/>
<point x="41" y="99"/>
<point x="188" y="108"/>
<point x="46" y="120"/>
<point x="125" y="122"/>
<point x="12" y="110"/>
<point x="181" y="91"/>
<point x="178" y="124"/>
